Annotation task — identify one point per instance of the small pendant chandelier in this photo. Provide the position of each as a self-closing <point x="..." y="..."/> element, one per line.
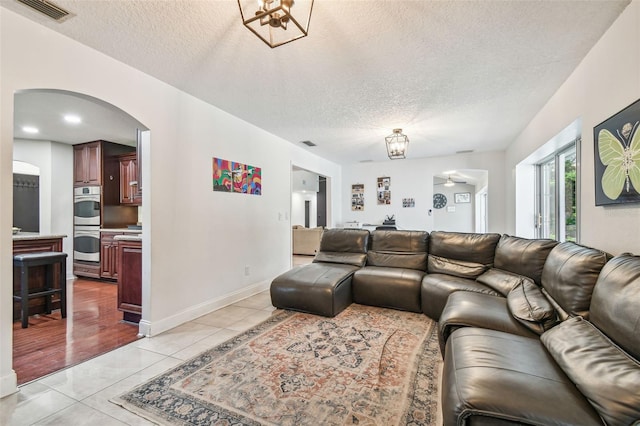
<point x="277" y="22"/>
<point x="397" y="144"/>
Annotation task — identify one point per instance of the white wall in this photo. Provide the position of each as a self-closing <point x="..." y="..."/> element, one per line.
<point x="414" y="179"/>
<point x="606" y="81"/>
<point x="304" y="186"/>
<point x="55" y="161"/>
<point x="302" y="180"/>
<point x="196" y="242"/>
<point x="297" y="208"/>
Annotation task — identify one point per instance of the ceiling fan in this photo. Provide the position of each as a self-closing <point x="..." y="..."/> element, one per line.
<point x="450" y="182"/>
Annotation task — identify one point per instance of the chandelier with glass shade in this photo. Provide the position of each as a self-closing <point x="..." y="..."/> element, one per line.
<point x="397" y="145"/>
<point x="277" y="22"/>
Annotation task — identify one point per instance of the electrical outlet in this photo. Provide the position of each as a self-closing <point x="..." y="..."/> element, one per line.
<point x="279" y="216"/>
<point x="247" y="270"/>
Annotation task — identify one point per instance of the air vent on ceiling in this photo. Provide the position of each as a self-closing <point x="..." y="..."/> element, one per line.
<point x="308" y="143"/>
<point x="464" y="151"/>
<point x="366" y="161"/>
<point x="46" y="7"/>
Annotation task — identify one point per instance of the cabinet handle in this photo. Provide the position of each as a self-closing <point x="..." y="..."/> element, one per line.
<point x="133" y="183"/>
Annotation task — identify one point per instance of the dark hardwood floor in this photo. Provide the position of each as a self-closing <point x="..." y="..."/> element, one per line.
<point x="93" y="326"/>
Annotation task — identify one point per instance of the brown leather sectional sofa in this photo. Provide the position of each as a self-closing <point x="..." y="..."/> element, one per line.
<point x="532" y="331"/>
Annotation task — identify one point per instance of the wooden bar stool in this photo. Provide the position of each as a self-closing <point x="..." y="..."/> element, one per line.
<point x="48" y="259"/>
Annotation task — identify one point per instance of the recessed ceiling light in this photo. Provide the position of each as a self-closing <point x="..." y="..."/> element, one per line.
<point x="29" y="129"/>
<point x="72" y="118"/>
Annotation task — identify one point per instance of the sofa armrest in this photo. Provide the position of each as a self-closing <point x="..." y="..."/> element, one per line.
<point x="467" y="309"/>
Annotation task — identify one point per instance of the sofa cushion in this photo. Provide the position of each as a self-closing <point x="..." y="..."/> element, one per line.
<point x="346" y="246"/>
<point x="478" y="248"/>
<point x="528" y="305"/>
<point x="604" y="373"/>
<point x="491" y="377"/>
<point x="615" y="307"/>
<point x="523" y="256"/>
<point x="398" y="249"/>
<point x="499" y="280"/>
<point x="397" y="288"/>
<point x="457" y="268"/>
<point x="436" y="288"/>
<point x="569" y="274"/>
<point x="470" y="309"/>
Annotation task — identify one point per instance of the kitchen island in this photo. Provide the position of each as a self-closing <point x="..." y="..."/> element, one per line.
<point x="130" y="276"/>
<point x="33" y="242"/>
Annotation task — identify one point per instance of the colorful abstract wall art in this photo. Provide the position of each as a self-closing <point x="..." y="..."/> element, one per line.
<point x="231" y="176"/>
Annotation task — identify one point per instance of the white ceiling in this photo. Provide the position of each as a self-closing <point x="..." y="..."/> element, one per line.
<point x="454" y="75"/>
<point x="45" y="110"/>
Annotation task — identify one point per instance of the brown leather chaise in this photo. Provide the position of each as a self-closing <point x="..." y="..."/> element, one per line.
<point x="324" y="286"/>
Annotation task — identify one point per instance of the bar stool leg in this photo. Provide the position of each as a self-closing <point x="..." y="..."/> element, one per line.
<point x="48" y="282"/>
<point x="63" y="288"/>
<point x="24" y="293"/>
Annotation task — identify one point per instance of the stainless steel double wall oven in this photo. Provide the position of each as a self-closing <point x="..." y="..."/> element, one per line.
<point x="86" y="223"/>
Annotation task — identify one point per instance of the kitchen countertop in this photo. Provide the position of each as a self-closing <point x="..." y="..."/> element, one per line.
<point x="124" y="230"/>
<point x="25" y="236"/>
<point x="128" y="237"/>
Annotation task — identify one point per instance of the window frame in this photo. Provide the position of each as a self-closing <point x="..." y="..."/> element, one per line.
<point x="539" y="192"/>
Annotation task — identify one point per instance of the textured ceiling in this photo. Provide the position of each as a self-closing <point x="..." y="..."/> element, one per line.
<point x="454" y="75"/>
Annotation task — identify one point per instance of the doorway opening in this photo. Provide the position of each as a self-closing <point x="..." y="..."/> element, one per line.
<point x="309" y="212"/>
<point x="63" y="120"/>
<point x="460" y="200"/>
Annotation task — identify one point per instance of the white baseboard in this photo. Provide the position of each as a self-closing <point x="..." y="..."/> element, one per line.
<point x="8" y="384"/>
<point x="148" y="328"/>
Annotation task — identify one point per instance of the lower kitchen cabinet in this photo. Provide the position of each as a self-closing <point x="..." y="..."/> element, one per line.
<point x="109" y="255"/>
<point x="130" y="279"/>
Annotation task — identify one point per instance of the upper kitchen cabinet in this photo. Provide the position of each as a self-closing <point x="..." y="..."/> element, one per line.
<point x="129" y="193"/>
<point x="87" y="161"/>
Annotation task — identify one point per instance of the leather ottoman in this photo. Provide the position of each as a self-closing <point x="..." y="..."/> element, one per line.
<point x="317" y="288"/>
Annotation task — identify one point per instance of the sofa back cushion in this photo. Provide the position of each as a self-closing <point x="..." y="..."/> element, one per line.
<point x="604" y="373"/>
<point x="615" y="305"/>
<point x="346" y="246"/>
<point x="398" y="249"/>
<point x="475" y="248"/>
<point x="523" y="256"/>
<point x="456" y="268"/>
<point x="569" y="275"/>
<point x="530" y="306"/>
<point x="500" y="280"/>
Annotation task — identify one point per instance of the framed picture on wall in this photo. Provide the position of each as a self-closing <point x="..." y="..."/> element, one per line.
<point x="462" y="197"/>
<point x="357" y="197"/>
<point x="617" y="157"/>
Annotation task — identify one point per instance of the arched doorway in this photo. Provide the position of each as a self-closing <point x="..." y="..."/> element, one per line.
<point x="48" y="124"/>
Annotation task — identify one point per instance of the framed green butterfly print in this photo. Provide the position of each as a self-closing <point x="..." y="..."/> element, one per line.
<point x="617" y="157"/>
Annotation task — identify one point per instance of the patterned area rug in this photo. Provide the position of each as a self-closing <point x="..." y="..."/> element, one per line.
<point x="366" y="366"/>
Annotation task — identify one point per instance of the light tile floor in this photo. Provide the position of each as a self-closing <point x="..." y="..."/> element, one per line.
<point x="80" y="395"/>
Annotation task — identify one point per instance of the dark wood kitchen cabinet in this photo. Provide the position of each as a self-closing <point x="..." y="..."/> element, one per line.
<point x="130" y="279"/>
<point x="87" y="163"/>
<point x="129" y="193"/>
<point x="109" y="255"/>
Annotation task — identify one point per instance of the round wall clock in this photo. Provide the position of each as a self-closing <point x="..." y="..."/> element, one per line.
<point x="439" y="201"/>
